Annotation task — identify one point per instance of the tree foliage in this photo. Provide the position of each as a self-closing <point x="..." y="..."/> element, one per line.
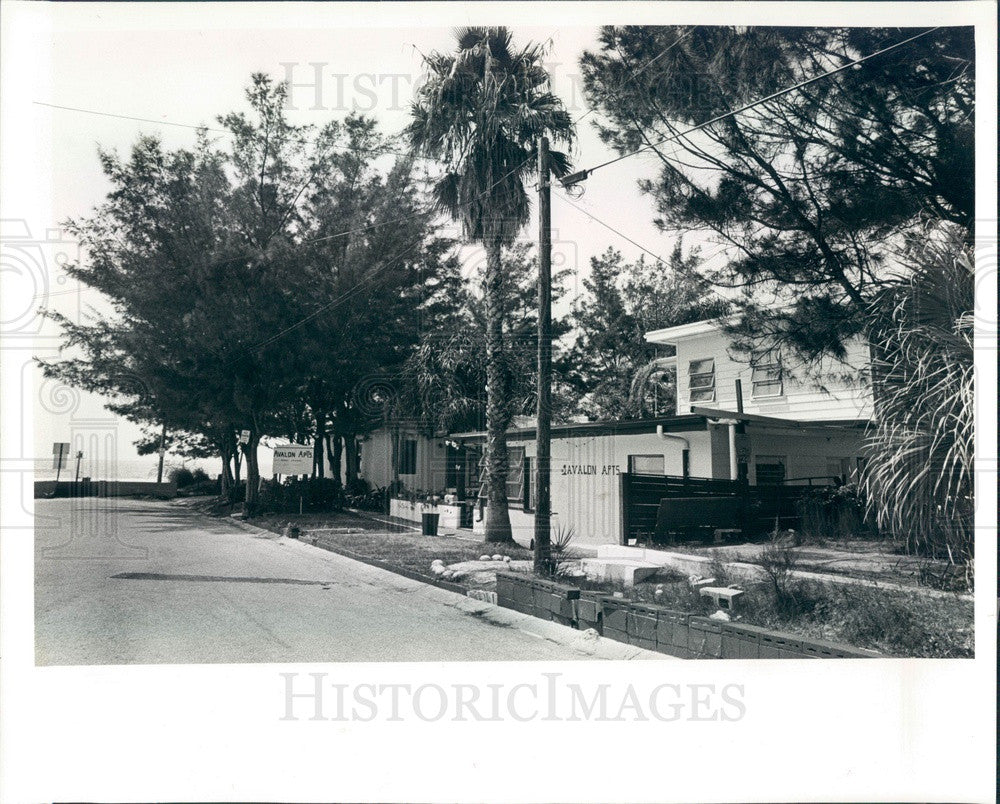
<point x="810" y="190"/>
<point x="481" y="113"/>
<point x="920" y="474"/>
<point x="612" y="369"/>
<point x="251" y="289"/>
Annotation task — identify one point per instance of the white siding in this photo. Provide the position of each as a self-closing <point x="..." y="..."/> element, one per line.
<point x="587" y="497"/>
<point x="586" y="477"/>
<point x="841" y="394"/>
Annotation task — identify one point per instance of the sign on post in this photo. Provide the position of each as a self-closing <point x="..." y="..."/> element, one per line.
<point x="292" y="459"/>
<point x="244" y="436"/>
<point x="60" y="451"/>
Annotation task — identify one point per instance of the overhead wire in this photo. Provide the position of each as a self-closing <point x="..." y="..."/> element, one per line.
<point x="758" y="102"/>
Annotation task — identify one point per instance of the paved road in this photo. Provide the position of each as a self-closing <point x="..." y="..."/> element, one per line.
<point x="137" y="582"/>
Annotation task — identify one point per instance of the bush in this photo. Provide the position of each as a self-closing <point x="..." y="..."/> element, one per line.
<point x="369" y="500"/>
<point x="182" y="476"/>
<point x="835" y="512"/>
<point x="206" y="486"/>
<point x="316" y="494"/>
<point x="357" y="487"/>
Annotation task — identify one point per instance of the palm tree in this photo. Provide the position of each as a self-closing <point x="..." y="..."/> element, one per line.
<point x="481" y="112"/>
<point x="919" y="480"/>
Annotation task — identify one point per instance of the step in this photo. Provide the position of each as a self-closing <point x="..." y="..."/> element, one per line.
<point x="618" y="570"/>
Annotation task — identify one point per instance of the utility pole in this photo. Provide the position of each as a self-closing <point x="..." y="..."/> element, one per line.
<point x="163" y="448"/>
<point x="543" y="445"/>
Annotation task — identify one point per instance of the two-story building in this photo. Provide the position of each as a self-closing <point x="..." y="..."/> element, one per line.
<point x="762" y="418"/>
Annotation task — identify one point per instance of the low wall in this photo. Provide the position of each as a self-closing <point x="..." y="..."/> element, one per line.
<point x="104" y="488"/>
<point x="412" y="511"/>
<point x="656" y="628"/>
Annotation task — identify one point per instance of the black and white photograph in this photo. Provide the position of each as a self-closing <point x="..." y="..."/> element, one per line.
<point x="499" y="402"/>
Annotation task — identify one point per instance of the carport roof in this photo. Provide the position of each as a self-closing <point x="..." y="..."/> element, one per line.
<point x="670" y="424"/>
<point x="698" y="420"/>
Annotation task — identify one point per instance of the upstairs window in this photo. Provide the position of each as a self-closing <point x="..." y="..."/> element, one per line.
<point x="701" y="380"/>
<point x="767" y="378"/>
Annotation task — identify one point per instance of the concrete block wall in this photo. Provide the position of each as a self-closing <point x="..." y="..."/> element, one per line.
<point x="656" y="628"/>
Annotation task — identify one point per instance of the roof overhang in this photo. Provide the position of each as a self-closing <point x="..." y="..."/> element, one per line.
<point x="775" y="421"/>
<point x="672" y="424"/>
<point x="670" y="335"/>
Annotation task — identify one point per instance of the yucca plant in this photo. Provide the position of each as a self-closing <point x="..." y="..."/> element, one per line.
<point x="919" y="478"/>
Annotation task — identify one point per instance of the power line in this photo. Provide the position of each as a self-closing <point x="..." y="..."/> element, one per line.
<point x="204" y="127"/>
<point x="584" y="173"/>
<point x="611" y="228"/>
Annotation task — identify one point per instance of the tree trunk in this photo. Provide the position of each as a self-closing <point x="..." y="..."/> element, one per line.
<point x="497" y="516"/>
<point x="318" y="444"/>
<point x="226" y="451"/>
<point x="335" y="458"/>
<point x="351" y="454"/>
<point x="253" y="472"/>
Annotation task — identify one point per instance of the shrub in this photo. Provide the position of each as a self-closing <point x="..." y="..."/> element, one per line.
<point x="316" y="494"/>
<point x="831" y="511"/>
<point x="182" y="476"/>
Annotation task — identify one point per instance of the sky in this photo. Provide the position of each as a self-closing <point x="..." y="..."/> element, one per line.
<point x="180" y="64"/>
<point x="189" y="75"/>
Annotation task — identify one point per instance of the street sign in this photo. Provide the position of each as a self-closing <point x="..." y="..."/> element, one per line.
<point x="292" y="459"/>
<point x="244" y="436"/>
<point x="60" y="451"/>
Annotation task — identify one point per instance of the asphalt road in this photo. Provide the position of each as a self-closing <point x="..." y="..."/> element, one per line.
<point x="141" y="582"/>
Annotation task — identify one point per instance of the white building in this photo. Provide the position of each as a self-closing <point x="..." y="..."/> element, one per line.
<point x="797" y="426"/>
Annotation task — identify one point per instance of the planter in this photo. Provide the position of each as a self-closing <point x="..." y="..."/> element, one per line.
<point x="429" y="523"/>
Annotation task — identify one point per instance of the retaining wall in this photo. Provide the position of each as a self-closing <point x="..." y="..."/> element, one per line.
<point x="656" y="628"/>
<point x="104" y="488"/>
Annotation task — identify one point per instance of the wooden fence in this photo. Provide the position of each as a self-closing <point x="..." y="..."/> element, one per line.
<point x="641" y="495"/>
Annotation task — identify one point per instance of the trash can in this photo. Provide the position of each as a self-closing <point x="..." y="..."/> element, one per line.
<point x="429" y="522"/>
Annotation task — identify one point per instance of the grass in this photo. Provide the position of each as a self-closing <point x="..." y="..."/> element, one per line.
<point x="894" y="623"/>
<point x="394" y="545"/>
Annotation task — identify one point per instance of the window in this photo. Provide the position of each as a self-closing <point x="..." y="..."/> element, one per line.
<point x="407" y="459"/>
<point x="770" y="470"/>
<point x="646" y="465"/>
<point x="839" y="468"/>
<point x="515" y="475"/>
<point x="766" y="377"/>
<point x="701" y="380"/>
<point x="529" y="485"/>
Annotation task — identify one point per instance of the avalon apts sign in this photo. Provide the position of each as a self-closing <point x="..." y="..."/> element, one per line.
<point x="590" y="469"/>
<point x="292" y="459"/>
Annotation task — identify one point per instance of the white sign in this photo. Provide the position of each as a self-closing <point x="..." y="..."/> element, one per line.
<point x="292" y="459"/>
<point x="60" y="451"/>
<point x="244" y="436"/>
